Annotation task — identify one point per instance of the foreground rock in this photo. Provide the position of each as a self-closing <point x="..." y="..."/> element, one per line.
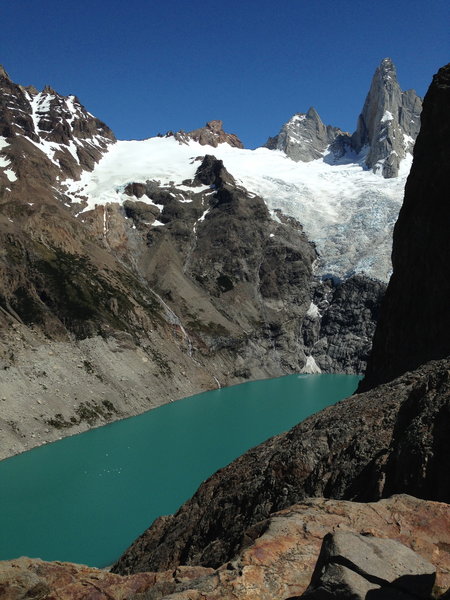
<point x="356" y="567"/>
<point x="275" y="561"/>
<point x="393" y="439"/>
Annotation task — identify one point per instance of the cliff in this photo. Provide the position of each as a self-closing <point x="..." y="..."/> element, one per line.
<point x="414" y="323"/>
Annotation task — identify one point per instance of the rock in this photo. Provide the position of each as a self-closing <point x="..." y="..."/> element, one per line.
<point x="38" y="580"/>
<point x="356" y="566"/>
<point x="304" y="137"/>
<point x="415" y="320"/>
<point x="340" y="322"/>
<point x="276" y="558"/>
<point x="212" y="134"/>
<point x="392" y="439"/>
<point x="389" y="122"/>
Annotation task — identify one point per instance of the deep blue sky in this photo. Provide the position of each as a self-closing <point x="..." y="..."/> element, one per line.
<point x="147" y="67"/>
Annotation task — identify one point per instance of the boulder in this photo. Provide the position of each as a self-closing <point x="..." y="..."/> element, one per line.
<point x="358" y="567"/>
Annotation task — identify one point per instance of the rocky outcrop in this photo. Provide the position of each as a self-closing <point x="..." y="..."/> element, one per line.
<point x="389" y="440"/>
<point x="389" y="122"/>
<point x="352" y="566"/>
<point x="304" y="137"/>
<point x="276" y="558"/>
<point x="212" y="134"/>
<point x="340" y="323"/>
<point x="415" y="321"/>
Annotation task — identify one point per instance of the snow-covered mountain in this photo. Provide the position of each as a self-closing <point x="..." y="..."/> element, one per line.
<point x="174" y="264"/>
<point x="346" y="210"/>
<point x="341" y="188"/>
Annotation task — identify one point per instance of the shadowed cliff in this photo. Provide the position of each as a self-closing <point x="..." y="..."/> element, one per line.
<point x="414" y="325"/>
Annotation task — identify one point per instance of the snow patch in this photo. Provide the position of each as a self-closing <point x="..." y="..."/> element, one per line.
<point x="313" y="311"/>
<point x="388" y="116"/>
<point x="10" y="175"/>
<point x="311" y="366"/>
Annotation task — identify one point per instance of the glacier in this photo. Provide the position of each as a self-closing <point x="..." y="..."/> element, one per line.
<point x="347" y="210"/>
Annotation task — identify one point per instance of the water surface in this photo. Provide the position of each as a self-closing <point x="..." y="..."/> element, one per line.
<point x="86" y="498"/>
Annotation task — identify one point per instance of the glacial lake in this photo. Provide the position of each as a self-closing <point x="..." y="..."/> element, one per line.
<point x="84" y="499"/>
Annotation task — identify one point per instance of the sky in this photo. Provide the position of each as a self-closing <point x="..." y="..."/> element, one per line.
<point x="146" y="67"/>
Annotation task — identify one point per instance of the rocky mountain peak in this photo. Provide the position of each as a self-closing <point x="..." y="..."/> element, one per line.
<point x="304" y="137"/>
<point x="3" y="73"/>
<point x="212" y="134"/>
<point x="48" y="135"/>
<point x="387" y="68"/>
<point x="389" y="122"/>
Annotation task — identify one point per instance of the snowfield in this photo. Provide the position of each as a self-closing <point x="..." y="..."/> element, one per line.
<point x="348" y="211"/>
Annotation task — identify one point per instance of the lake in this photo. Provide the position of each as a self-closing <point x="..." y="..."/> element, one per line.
<point x="86" y="498"/>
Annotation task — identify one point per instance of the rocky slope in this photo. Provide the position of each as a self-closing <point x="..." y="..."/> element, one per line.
<point x="276" y="558"/>
<point x="415" y="320"/>
<point x="392" y="439"/>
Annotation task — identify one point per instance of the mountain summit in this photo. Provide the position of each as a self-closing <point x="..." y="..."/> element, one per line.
<point x="389" y="122"/>
<point x="304" y="137"/>
<point x="386" y="130"/>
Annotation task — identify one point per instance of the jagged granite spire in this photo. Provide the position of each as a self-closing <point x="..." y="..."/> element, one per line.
<point x="304" y="137"/>
<point x="389" y="122"/>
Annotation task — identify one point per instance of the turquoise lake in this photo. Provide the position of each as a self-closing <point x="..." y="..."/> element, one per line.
<point x="86" y="498"/>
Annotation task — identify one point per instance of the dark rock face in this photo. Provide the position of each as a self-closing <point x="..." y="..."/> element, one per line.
<point x="389" y="122"/>
<point x="212" y="134"/>
<point x="392" y="439"/>
<point x="352" y="566"/>
<point x="415" y="318"/>
<point x="304" y="137"/>
<point x="340" y="323"/>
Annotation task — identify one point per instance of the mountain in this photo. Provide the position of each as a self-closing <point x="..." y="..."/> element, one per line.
<point x="390" y="439"/>
<point x="305" y="138"/>
<point x="134" y="273"/>
<point x="414" y="325"/>
<point x="386" y="130"/>
<point x="389" y="122"/>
